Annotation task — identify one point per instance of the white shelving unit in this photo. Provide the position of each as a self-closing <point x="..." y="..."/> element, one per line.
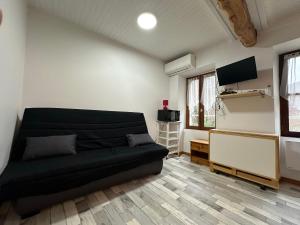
<point x="168" y="135"/>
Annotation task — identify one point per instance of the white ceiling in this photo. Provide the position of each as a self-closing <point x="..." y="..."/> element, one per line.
<point x="183" y="25"/>
<point x="277" y="10"/>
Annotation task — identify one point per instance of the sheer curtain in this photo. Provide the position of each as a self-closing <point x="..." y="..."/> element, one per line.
<point x="193" y="100"/>
<point x="290" y="89"/>
<point x="208" y="97"/>
<point x="208" y="100"/>
<point x="290" y="81"/>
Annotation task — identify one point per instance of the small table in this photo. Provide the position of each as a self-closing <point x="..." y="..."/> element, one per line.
<point x="200" y="152"/>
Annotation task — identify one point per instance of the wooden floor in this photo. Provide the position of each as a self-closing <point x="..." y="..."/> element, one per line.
<point x="184" y="193"/>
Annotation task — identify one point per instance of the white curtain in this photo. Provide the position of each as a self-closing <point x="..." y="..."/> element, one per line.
<point x="208" y="96"/>
<point x="193" y="93"/>
<point x="193" y="99"/>
<point x="290" y="89"/>
<point x="290" y="80"/>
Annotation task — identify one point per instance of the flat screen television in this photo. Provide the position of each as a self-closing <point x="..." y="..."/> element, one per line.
<point x="236" y="72"/>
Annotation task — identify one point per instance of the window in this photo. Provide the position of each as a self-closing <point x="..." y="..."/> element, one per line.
<point x="201" y="98"/>
<point x="290" y="94"/>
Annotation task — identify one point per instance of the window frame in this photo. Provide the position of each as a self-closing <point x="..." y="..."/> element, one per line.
<point x="284" y="104"/>
<point x="201" y="106"/>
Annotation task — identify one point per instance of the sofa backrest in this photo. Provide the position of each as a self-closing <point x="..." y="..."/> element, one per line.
<point x="95" y="129"/>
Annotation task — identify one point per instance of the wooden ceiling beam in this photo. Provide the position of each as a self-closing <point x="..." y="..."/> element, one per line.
<point x="240" y="19"/>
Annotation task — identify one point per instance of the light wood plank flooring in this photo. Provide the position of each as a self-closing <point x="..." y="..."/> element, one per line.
<point x="184" y="193"/>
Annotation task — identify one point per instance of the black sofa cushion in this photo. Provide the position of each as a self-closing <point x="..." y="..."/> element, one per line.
<point x="50" y="175"/>
<point x="39" y="147"/>
<point x="139" y="139"/>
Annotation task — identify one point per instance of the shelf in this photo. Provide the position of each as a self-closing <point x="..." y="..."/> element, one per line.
<point x="169" y="139"/>
<point x="200" y="141"/>
<point x="170" y="132"/>
<point x="244" y="94"/>
<point x="168" y="121"/>
<point x="200" y="151"/>
<point x="169" y="146"/>
<point x="172" y="146"/>
<point x="168" y="135"/>
<point x="200" y="160"/>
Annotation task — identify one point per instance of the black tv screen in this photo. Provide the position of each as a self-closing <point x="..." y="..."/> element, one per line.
<point x="237" y="72"/>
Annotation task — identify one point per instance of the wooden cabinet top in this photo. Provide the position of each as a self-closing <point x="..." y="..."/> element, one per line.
<point x="199" y="141"/>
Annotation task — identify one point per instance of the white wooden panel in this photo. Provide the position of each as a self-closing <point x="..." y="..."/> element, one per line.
<point x="191" y="22"/>
<point x="255" y="155"/>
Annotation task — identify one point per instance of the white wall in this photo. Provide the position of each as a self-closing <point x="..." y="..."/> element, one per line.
<point x="251" y="114"/>
<point x="248" y="114"/>
<point x="12" y="52"/>
<point x="177" y="97"/>
<point x="67" y="66"/>
<point x="229" y="52"/>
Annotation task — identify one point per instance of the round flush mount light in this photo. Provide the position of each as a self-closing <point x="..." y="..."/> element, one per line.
<point x="147" y="21"/>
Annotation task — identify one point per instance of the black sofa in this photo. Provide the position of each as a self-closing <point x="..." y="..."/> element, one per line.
<point x="103" y="157"/>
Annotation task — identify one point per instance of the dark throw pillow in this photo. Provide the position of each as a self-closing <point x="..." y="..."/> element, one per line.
<point x="138" y="139"/>
<point x="40" y="147"/>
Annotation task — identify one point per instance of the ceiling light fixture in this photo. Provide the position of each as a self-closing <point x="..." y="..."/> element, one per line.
<point x="147" y="21"/>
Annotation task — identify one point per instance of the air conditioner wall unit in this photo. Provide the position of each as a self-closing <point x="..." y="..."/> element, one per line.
<point x="181" y="66"/>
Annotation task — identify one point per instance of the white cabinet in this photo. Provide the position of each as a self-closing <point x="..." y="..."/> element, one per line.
<point x="252" y="156"/>
<point x="168" y="135"/>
